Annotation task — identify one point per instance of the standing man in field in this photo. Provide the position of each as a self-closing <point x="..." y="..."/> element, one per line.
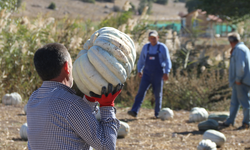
<point x="59" y="119"/>
<point x="239" y="80"/>
<point x="153" y="67"/>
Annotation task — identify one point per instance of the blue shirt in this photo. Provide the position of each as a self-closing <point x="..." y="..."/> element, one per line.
<point x="163" y="56"/>
<point x="239" y="69"/>
<point x="59" y="119"/>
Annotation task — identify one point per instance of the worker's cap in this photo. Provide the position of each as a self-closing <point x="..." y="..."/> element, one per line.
<point x="233" y="37"/>
<point x="153" y="33"/>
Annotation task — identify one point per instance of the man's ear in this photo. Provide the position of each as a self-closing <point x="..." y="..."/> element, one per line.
<point x="66" y="67"/>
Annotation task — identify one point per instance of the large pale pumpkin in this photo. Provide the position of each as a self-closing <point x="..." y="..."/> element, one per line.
<point x="108" y="57"/>
<point x="12" y="99"/>
<point x="215" y="136"/>
<point x="166" y="114"/>
<point x="198" y="114"/>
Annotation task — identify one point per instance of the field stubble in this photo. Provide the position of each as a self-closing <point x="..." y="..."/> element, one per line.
<point x="145" y="131"/>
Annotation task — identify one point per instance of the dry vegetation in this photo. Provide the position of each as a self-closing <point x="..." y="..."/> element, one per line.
<point x="184" y="90"/>
<point x="95" y="12"/>
<point x="145" y="132"/>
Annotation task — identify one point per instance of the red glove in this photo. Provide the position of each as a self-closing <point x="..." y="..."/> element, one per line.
<point x="91" y="99"/>
<point x="109" y="98"/>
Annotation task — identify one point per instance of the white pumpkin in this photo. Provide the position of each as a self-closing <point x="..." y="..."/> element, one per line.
<point x="123" y="130"/>
<point x="108" y="57"/>
<point x="12" y="99"/>
<point x="23" y="131"/>
<point x="206" y="145"/>
<point x="25" y="109"/>
<point x="215" y="136"/>
<point x="166" y="114"/>
<point x="198" y="114"/>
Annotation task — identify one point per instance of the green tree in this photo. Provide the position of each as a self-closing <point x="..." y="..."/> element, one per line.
<point x="192" y="5"/>
<point x="112" y="1"/>
<point x="163" y="2"/>
<point x="88" y="1"/>
<point x="52" y="6"/>
<point x="231" y="10"/>
<point x="143" y="4"/>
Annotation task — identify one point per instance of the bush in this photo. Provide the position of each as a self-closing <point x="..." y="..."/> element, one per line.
<point x="88" y="1"/>
<point x="116" y="21"/>
<point x="19" y="42"/>
<point x="116" y="8"/>
<point x="163" y="2"/>
<point x="52" y="6"/>
<point x="143" y="4"/>
<point x="187" y="90"/>
<point x="19" y="2"/>
<point x="112" y="1"/>
<point x="10" y="5"/>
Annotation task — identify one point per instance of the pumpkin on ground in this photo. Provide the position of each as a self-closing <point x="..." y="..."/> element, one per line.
<point x="206" y="145"/>
<point x="123" y="130"/>
<point x="12" y="99"/>
<point x="208" y="124"/>
<point x="198" y="114"/>
<point x="219" y="116"/>
<point x="108" y="57"/>
<point x="166" y="114"/>
<point x="23" y="131"/>
<point x="215" y="136"/>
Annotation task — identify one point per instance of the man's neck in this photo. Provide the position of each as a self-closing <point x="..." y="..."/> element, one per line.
<point x="234" y="44"/>
<point x="61" y="80"/>
<point x="153" y="44"/>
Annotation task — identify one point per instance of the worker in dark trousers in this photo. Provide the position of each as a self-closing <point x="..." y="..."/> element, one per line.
<point x="153" y="67"/>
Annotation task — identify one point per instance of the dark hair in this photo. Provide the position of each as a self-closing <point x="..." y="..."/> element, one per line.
<point x="50" y="59"/>
<point x="233" y="39"/>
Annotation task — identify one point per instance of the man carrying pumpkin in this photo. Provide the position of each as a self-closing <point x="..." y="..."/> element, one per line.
<point x="59" y="119"/>
<point x="239" y="80"/>
<point x="153" y="67"/>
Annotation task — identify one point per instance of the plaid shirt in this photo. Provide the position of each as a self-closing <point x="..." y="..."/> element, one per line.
<point x="59" y="119"/>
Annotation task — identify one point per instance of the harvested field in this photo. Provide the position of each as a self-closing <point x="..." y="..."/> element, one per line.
<point x="145" y="131"/>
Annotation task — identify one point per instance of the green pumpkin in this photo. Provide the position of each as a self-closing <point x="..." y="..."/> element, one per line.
<point x="218" y="117"/>
<point x="208" y="124"/>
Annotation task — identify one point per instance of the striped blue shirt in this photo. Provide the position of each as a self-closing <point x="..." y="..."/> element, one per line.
<point x="59" y="119"/>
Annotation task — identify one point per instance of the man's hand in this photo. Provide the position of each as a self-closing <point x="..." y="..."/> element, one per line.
<point x="109" y="98"/>
<point x="165" y="77"/>
<point x="140" y="74"/>
<point x="238" y="83"/>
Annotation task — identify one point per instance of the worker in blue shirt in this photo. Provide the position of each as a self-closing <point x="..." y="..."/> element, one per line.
<point x="153" y="67"/>
<point x="239" y="80"/>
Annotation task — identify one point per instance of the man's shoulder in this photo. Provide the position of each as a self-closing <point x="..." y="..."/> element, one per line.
<point x="242" y="46"/>
<point x="55" y="94"/>
<point x="162" y="45"/>
<point x="71" y="97"/>
<point x="146" y="45"/>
